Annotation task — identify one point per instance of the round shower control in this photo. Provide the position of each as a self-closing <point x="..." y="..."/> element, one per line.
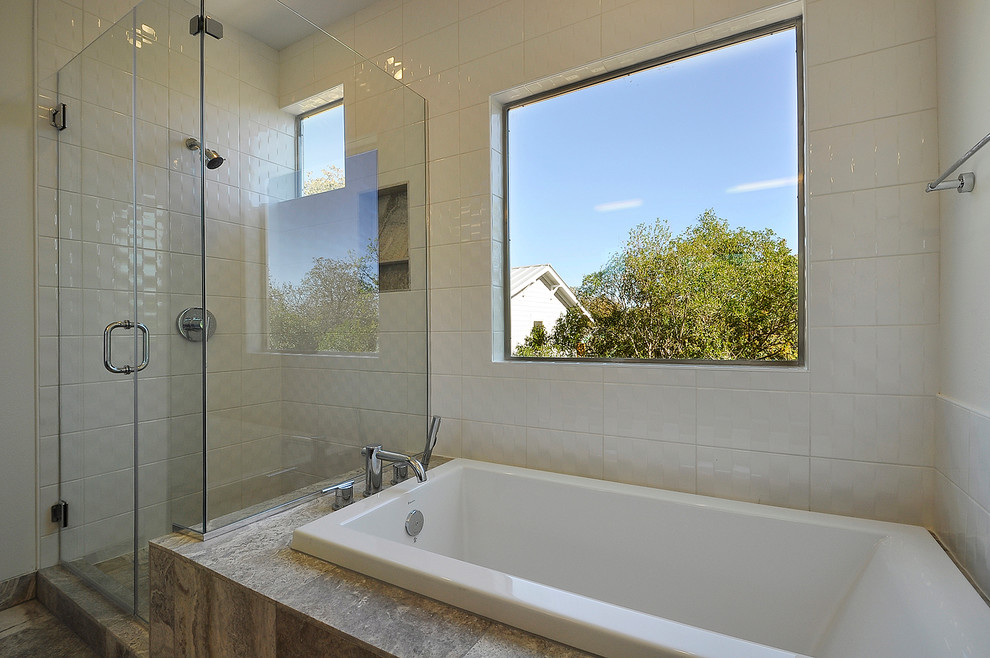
<point x="414" y="523"/>
<point x="195" y="325"/>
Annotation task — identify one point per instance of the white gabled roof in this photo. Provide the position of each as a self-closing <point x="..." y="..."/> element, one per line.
<point x="524" y="276"/>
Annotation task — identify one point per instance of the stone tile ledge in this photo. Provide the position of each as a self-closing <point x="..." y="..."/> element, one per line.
<point x="248" y="593"/>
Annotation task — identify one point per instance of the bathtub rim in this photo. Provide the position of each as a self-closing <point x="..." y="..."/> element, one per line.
<point x="740" y="507"/>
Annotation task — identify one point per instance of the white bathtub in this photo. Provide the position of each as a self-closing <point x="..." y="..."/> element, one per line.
<point x="621" y="570"/>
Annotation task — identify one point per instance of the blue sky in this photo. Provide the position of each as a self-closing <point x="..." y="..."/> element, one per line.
<point x="332" y="224"/>
<point x="717" y="130"/>
<point x="323" y="141"/>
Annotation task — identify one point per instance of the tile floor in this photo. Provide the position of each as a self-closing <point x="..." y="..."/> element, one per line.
<point x="28" y="630"/>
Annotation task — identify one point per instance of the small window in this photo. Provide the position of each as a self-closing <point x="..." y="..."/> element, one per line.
<point x="321" y="149"/>
<point x="656" y="214"/>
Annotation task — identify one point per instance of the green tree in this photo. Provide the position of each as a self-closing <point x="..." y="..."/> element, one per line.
<point x="331" y="178"/>
<point x="537" y="343"/>
<point x="709" y="293"/>
<point x="333" y="309"/>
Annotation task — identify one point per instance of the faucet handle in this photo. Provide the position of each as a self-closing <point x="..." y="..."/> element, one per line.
<point x="344" y="495"/>
<point x="400" y="471"/>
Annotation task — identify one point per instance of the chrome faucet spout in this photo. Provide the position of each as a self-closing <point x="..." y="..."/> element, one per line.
<point x="374" y="456"/>
<point x="417" y="467"/>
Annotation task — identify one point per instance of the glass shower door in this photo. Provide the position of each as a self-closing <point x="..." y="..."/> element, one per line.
<point x="131" y="415"/>
<point x="149" y="233"/>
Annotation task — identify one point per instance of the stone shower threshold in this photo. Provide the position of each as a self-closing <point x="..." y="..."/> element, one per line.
<point x="108" y="629"/>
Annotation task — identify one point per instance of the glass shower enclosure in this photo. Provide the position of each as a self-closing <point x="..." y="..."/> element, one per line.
<point x="241" y="274"/>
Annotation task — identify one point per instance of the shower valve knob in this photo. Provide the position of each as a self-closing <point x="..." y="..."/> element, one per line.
<point x="344" y="495"/>
<point x="193" y="323"/>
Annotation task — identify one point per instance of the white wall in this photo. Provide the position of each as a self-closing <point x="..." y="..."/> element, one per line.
<point x="853" y="432"/>
<point x="963" y="432"/>
<point x="18" y="483"/>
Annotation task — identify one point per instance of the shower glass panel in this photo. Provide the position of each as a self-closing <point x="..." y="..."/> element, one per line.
<point x="130" y="407"/>
<point x="230" y="335"/>
<point x="317" y="277"/>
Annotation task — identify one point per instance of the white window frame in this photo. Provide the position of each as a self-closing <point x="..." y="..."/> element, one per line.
<point x="300" y="160"/>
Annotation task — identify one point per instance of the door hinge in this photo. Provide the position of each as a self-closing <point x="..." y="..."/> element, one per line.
<point x="211" y="26"/>
<point x="58" y="116"/>
<point x="60" y="513"/>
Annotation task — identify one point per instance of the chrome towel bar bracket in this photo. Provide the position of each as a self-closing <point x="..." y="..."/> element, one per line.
<point x="966" y="181"/>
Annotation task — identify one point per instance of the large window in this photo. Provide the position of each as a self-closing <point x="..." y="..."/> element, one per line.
<point x="656" y="214"/>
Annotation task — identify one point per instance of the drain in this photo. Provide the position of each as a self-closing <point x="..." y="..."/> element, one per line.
<point x="414" y="523"/>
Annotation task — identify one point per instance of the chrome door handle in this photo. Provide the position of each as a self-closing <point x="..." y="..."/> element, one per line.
<point x="145" y="345"/>
<point x="108" y="350"/>
<point x="108" y="347"/>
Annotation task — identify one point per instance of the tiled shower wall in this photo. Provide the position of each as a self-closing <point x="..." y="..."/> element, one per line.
<point x="244" y="386"/>
<point x="853" y="432"/>
<point x="962" y="437"/>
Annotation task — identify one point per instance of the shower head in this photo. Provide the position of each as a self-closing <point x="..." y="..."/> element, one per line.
<point x="213" y="159"/>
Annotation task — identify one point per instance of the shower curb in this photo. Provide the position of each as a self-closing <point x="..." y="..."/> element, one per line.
<point x="102" y="625"/>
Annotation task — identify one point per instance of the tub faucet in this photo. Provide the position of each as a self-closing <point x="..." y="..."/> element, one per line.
<point x="374" y="455"/>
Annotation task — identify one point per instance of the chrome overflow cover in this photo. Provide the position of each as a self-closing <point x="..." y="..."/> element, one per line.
<point x="414" y="523"/>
